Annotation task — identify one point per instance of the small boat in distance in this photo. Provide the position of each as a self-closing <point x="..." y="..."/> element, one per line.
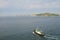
<point x="37" y="32"/>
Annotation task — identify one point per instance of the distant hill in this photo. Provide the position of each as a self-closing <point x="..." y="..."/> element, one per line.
<point x="46" y="14"/>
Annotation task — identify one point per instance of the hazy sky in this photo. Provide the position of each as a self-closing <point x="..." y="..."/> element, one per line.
<point x="13" y="7"/>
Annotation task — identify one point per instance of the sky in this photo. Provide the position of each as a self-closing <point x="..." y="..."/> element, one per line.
<point x="16" y="7"/>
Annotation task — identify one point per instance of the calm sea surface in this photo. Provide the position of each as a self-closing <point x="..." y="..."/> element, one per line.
<point x="21" y="28"/>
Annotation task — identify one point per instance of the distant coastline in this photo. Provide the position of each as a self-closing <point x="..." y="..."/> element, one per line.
<point x="46" y="14"/>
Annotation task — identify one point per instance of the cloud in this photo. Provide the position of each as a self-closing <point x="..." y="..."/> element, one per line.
<point x="24" y="4"/>
<point x="39" y="6"/>
<point x="29" y="4"/>
<point x="51" y="5"/>
<point x="3" y="3"/>
<point x="35" y="4"/>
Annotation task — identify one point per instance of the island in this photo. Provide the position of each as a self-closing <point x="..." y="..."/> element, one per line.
<point x="46" y="14"/>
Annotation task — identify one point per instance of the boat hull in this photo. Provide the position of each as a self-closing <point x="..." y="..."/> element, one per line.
<point x="35" y="33"/>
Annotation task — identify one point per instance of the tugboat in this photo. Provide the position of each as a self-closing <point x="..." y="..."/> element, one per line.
<point x="37" y="32"/>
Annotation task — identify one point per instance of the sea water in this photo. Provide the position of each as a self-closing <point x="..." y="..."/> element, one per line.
<point x="21" y="28"/>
